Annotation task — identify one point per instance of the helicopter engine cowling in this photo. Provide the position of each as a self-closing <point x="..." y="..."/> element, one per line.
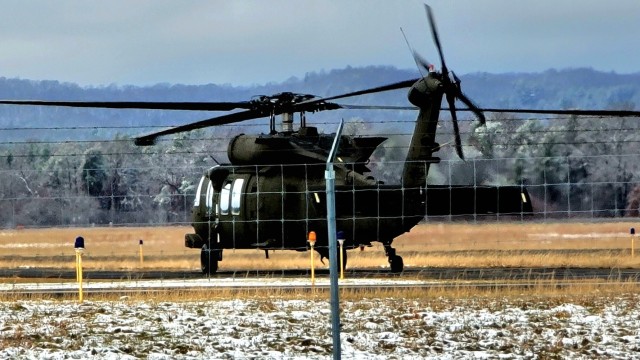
<point x="303" y="147"/>
<point x="257" y="150"/>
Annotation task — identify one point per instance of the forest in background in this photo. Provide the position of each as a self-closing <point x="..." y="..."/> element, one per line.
<point x="77" y="167"/>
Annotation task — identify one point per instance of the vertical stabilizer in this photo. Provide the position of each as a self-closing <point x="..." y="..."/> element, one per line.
<point x="426" y="94"/>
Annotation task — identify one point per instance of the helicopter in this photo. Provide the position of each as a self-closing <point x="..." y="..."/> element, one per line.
<point x="271" y="194"/>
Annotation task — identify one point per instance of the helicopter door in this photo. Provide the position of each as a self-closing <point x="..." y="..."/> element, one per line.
<point x="236" y="196"/>
<point x="231" y="197"/>
<point x="230" y="200"/>
<point x="198" y="201"/>
<point x="210" y="202"/>
<point x="225" y="193"/>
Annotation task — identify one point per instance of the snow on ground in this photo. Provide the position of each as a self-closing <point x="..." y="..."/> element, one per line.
<point x="281" y="329"/>
<point x="234" y="282"/>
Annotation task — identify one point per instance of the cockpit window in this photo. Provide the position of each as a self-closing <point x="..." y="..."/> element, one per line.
<point x="196" y="201"/>
<point x="209" y="199"/>
<point x="236" y="195"/>
<point x="224" y="198"/>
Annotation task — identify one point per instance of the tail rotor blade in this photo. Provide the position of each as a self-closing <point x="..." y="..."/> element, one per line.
<point x="456" y="131"/>
<point x="422" y="61"/>
<point x="476" y="110"/>
<point x="436" y="38"/>
<point x="465" y="100"/>
<point x="454" y="120"/>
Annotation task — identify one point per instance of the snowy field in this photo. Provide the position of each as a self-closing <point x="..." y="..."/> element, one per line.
<point x="285" y="329"/>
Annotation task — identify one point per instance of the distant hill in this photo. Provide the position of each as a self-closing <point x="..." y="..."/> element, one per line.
<point x="569" y="88"/>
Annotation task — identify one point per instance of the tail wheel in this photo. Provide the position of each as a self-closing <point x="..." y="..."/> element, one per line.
<point x="209" y="260"/>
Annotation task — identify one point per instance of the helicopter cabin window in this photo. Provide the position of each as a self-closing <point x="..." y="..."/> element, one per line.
<point x="209" y="198"/>
<point x="196" y="201"/>
<point x="236" y="194"/>
<point x="224" y="198"/>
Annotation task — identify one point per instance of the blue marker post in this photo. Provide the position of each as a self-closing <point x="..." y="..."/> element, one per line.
<point x="79" y="247"/>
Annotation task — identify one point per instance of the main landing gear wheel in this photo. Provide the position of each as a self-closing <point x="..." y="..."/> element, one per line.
<point x="324" y="253"/>
<point x="209" y="260"/>
<point x="395" y="261"/>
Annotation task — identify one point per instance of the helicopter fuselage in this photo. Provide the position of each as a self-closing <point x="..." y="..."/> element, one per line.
<point x="276" y="207"/>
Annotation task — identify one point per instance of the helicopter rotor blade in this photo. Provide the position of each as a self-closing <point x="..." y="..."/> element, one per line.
<point x="472" y="107"/>
<point x="615" y="113"/>
<point x="149" y="139"/>
<point x="451" y="100"/>
<point x="376" y="107"/>
<point x="456" y="133"/>
<point x="422" y="62"/>
<point x="389" y="87"/>
<point x="148" y="105"/>
<point x="451" y="88"/>
<point x="465" y="100"/>
<point x="436" y="37"/>
<point x="480" y="111"/>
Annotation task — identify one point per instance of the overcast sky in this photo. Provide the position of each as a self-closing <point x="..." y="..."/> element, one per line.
<point x="241" y="42"/>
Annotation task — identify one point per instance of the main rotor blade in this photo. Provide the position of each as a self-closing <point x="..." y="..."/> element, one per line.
<point x="149" y="105"/>
<point x="616" y="113"/>
<point x="394" y="86"/>
<point x="475" y="109"/>
<point x="376" y="107"/>
<point x="149" y="139"/>
<point x="436" y="38"/>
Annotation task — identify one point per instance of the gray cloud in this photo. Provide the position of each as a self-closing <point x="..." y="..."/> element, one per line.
<point x="243" y="42"/>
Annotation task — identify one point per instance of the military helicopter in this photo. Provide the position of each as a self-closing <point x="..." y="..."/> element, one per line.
<point x="271" y="194"/>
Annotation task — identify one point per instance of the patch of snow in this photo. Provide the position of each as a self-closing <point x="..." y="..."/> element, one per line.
<point x="283" y="329"/>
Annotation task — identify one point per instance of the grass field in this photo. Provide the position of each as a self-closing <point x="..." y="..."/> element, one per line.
<point x="590" y="244"/>
<point x="588" y="318"/>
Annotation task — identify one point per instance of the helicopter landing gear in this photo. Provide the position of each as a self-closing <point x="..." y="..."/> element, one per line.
<point x="324" y="253"/>
<point x="395" y="261"/>
<point x="209" y="259"/>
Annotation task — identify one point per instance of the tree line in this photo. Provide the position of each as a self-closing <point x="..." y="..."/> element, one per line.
<point x="572" y="167"/>
<point x="77" y="167"/>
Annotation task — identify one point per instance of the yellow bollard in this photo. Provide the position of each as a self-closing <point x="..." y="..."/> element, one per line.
<point x="79" y="247"/>
<point x="79" y="255"/>
<point x="77" y="267"/>
<point x="341" y="242"/>
<point x="312" y="242"/>
<point x="632" y="231"/>
<point x="141" y="257"/>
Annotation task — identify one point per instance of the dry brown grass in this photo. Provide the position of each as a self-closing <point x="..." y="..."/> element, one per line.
<point x="595" y="244"/>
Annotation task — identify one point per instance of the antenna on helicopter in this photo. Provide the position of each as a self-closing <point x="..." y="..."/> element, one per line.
<point x="411" y="51"/>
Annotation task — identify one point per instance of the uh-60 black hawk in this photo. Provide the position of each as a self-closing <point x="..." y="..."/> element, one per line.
<point x="271" y="194"/>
